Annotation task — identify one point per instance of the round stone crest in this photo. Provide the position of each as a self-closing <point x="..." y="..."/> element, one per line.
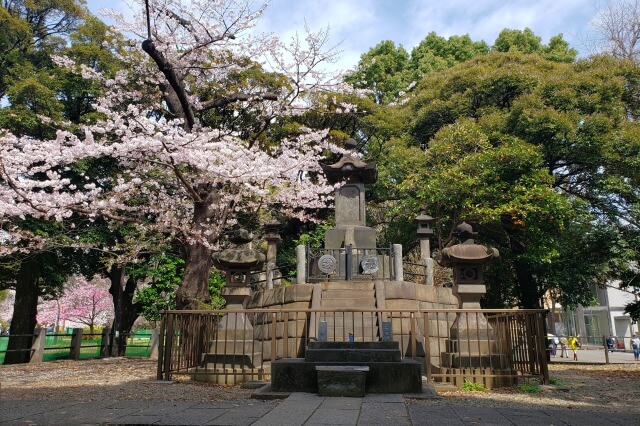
<point x="370" y="264"/>
<point x="327" y="264"/>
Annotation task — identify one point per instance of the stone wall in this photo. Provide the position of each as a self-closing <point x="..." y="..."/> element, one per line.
<point x="291" y="328"/>
<point x="409" y="295"/>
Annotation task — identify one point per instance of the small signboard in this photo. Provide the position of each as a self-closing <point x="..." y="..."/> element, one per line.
<point x="386" y="331"/>
<point x="322" y="331"/>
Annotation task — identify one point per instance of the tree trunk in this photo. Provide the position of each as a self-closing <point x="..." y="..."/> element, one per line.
<point x="529" y="292"/>
<point x="193" y="293"/>
<point x="527" y="286"/>
<point x="25" y="310"/>
<point x="126" y="311"/>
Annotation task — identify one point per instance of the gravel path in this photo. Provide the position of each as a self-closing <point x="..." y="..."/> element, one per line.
<point x="608" y="388"/>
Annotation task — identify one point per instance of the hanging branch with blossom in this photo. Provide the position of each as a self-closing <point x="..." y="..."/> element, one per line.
<point x="190" y="124"/>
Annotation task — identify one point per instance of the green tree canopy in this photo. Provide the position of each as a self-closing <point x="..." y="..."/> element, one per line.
<point x="530" y="150"/>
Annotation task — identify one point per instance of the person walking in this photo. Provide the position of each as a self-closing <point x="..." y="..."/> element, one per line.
<point x="611" y="343"/>
<point x="635" y="345"/>
<point x="574" y="345"/>
<point x="563" y="346"/>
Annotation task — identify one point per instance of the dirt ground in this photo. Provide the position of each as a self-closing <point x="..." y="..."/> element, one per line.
<point x="611" y="388"/>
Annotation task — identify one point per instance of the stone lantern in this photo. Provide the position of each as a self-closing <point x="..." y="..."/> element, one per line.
<point x="472" y="351"/>
<point x="234" y="328"/>
<point x="467" y="259"/>
<point x="425" y="233"/>
<point x="272" y="237"/>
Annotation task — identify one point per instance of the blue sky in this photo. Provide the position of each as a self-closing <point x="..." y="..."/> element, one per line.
<point x="361" y="24"/>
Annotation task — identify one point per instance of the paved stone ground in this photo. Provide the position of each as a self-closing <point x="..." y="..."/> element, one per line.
<point x="596" y="356"/>
<point x="298" y="409"/>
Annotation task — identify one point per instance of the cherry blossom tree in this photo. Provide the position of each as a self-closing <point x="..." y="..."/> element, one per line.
<point x="202" y="125"/>
<point x="84" y="302"/>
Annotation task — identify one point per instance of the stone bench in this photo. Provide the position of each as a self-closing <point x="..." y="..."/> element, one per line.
<point x="341" y="380"/>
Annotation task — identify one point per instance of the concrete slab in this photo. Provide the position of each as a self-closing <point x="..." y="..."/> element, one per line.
<point x="267" y="393"/>
<point x="342" y="403"/>
<point x="295" y="410"/>
<point x="384" y="413"/>
<point x="481" y="415"/>
<point x="427" y="415"/>
<point x="333" y="416"/>
<point x="195" y="417"/>
<point x="428" y="392"/>
<point x="383" y="398"/>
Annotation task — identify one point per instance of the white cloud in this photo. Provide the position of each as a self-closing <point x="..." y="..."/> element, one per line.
<point x="361" y="24"/>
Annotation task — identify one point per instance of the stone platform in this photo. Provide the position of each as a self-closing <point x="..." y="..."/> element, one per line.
<point x="387" y="373"/>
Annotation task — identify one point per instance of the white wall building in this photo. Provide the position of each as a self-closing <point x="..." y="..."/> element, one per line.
<point x="607" y="317"/>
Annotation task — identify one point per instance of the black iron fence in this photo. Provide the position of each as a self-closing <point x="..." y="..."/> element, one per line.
<point x="453" y="345"/>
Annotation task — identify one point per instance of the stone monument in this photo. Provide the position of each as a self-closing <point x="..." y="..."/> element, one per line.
<point x="351" y="228"/>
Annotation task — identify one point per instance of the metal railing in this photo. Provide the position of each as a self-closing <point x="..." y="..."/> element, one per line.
<point x="414" y="272"/>
<point x="350" y="263"/>
<point x="42" y="346"/>
<point x="272" y="274"/>
<point x="503" y="344"/>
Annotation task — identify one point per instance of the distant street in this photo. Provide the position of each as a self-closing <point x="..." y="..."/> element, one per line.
<point x="596" y="356"/>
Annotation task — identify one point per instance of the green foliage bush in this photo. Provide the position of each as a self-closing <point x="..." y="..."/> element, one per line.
<point x="530" y="388"/>
<point x="473" y="387"/>
<point x="556" y="382"/>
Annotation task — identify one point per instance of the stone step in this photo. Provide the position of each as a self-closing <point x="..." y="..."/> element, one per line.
<point x="341" y="380"/>
<point x="351" y="345"/>
<point x="352" y="355"/>
<point x="348" y="294"/>
<point x="349" y="318"/>
<point x="449" y="360"/>
<point x="470" y="347"/>
<point x="355" y="303"/>
<point x="348" y="285"/>
<point x="212" y="361"/>
<point x="360" y="333"/>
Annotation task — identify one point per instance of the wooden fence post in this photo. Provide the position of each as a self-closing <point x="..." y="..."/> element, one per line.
<point x="76" y="343"/>
<point x="168" y="348"/>
<point x="37" y="347"/>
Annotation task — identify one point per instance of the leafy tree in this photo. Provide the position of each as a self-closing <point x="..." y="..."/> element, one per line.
<point x="383" y="70"/>
<point x="525" y="41"/>
<point x="435" y="53"/>
<point x="41" y="99"/>
<point x="528" y="149"/>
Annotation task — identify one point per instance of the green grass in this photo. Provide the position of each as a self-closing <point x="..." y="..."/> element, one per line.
<point x="473" y="387"/>
<point x="530" y="388"/>
<point x="556" y="382"/>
